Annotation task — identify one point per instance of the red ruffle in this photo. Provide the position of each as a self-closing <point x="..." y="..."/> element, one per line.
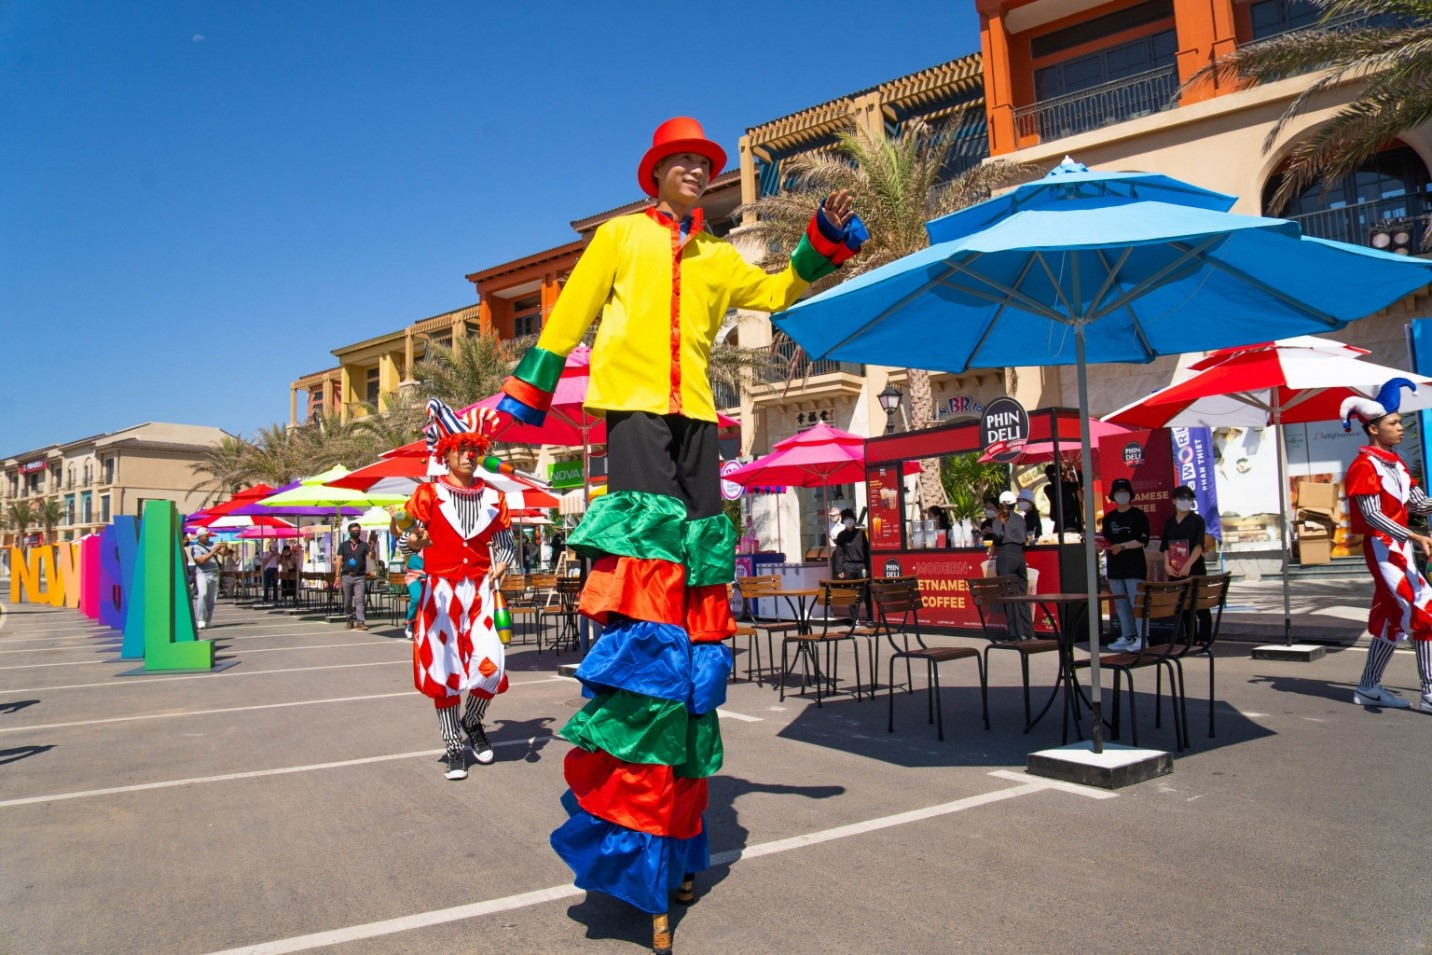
<point x="708" y="613"/>
<point x="644" y="798"/>
<point x="637" y="588"/>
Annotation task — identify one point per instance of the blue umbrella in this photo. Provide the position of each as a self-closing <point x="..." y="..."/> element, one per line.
<point x="1083" y="267"/>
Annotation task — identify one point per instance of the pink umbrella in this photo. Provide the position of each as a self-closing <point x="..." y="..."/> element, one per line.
<point x="816" y="457"/>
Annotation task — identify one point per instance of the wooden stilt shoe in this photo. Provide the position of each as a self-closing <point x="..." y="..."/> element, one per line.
<point x="660" y="935"/>
<point x="686" y="892"/>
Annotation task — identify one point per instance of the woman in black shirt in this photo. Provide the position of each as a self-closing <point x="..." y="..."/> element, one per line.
<point x="1126" y="532"/>
<point x="1007" y="532"/>
<point x="1182" y="545"/>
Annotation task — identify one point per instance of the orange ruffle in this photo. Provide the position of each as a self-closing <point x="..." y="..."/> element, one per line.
<point x="708" y="613"/>
<point x="637" y="588"/>
<point x="645" y="798"/>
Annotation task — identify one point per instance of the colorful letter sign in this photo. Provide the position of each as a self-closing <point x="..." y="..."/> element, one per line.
<point x="34" y="578"/>
<point x="160" y="611"/>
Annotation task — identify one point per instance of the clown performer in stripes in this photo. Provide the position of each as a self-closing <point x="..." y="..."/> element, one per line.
<point x="663" y="550"/>
<point x="461" y="527"/>
<point x="1383" y="492"/>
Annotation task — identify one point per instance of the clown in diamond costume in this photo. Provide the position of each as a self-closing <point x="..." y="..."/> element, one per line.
<point x="663" y="550"/>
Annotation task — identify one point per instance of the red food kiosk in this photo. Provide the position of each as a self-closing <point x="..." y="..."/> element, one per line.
<point x="944" y="571"/>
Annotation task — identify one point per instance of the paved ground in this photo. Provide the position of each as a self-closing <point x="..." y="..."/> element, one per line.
<point x="296" y="798"/>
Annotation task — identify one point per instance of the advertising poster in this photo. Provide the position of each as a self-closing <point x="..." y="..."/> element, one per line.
<point x="882" y="490"/>
<point x="1145" y="459"/>
<point x="1193" y="466"/>
<point x="944" y="578"/>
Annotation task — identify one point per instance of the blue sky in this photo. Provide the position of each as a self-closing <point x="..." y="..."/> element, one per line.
<point x="198" y="200"/>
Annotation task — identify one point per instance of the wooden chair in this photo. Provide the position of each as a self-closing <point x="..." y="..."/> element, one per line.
<point x="1161" y="608"/>
<point x="567" y="591"/>
<point x="1209" y="593"/>
<point x="986" y="594"/>
<point x="898" y="605"/>
<point x="840" y="603"/>
<point x="398" y="596"/>
<point x="516" y="592"/>
<point x="763" y="593"/>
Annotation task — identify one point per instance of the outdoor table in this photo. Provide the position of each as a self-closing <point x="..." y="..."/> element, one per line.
<point x="802" y="602"/>
<point x="1069" y="606"/>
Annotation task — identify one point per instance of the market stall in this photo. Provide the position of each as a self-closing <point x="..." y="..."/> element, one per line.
<point x="896" y="526"/>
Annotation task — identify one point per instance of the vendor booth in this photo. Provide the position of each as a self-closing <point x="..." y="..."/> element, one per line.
<point x="896" y="526"/>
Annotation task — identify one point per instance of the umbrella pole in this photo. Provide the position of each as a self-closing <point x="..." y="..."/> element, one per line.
<point x="1091" y="571"/>
<point x="1283" y="516"/>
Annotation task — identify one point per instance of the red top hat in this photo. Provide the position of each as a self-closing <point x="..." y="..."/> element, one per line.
<point x="680" y="134"/>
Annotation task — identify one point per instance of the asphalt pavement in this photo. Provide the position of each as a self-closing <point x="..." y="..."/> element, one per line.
<point x="296" y="802"/>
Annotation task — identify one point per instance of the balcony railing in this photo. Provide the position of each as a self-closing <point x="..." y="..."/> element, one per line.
<point x="1098" y="106"/>
<point x="724" y="395"/>
<point x="804" y="367"/>
<point x="1354" y="223"/>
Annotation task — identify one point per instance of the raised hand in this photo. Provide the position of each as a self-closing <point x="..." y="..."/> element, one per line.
<point x="839" y="207"/>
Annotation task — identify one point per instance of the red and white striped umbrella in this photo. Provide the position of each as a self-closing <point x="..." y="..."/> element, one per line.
<point x="402" y="475"/>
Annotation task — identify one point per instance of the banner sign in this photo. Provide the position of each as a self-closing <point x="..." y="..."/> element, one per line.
<point x="1193" y="465"/>
<point x="1004" y="428"/>
<point x="944" y="581"/>
<point x="30" y="467"/>
<point x="565" y="474"/>
<point x="882" y="492"/>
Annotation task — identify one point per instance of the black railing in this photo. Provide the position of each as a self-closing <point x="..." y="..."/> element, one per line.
<point x="783" y="369"/>
<point x="1354" y="224"/>
<point x="724" y="395"/>
<point x="1098" y="106"/>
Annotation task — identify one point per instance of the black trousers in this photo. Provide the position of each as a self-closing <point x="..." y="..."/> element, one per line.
<point x="665" y="454"/>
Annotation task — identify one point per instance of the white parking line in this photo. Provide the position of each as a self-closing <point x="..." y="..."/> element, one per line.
<point x="318" y="646"/>
<point x="230" y="709"/>
<point x="408" y="923"/>
<point x="721" y="713"/>
<point x="222" y="675"/>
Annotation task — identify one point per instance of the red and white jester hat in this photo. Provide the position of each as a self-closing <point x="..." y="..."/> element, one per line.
<point x="446" y="429"/>
<point x="1368" y="410"/>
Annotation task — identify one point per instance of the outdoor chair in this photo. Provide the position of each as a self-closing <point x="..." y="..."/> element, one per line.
<point x="985" y="593"/>
<point x="1162" y="609"/>
<point x="1209" y="593"/>
<point x="567" y="591"/>
<point x="898" y="605"/>
<point x="762" y="593"/>
<point x="398" y="596"/>
<point x="840" y="602"/>
<point x="514" y="590"/>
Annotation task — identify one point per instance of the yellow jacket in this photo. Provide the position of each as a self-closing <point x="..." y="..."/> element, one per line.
<point x="662" y="300"/>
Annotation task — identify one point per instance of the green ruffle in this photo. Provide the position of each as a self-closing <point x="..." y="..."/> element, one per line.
<point x="540" y="368"/>
<point x="632" y="524"/>
<point x="642" y="729"/>
<point x="810" y="264"/>
<point x="710" y="545"/>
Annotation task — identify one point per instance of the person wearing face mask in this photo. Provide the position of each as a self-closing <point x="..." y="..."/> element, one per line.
<point x="353" y="575"/>
<point x="851" y="558"/>
<point x="1007" y="532"/>
<point x="991" y="511"/>
<point x="1182" y="546"/>
<point x="1126" y="532"/>
<point x="1033" y="526"/>
<point x="835" y="524"/>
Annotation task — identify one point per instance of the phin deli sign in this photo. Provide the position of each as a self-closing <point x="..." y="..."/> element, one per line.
<point x="1004" y="428"/>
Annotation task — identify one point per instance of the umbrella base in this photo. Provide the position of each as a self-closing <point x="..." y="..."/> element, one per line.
<point x="1116" y="767"/>
<point x="568" y="669"/>
<point x="1296" y="653"/>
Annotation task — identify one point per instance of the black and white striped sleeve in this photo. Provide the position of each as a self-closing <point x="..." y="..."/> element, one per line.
<point x="1418" y="502"/>
<point x="1371" y="509"/>
<point x="502" y="548"/>
<point x="403" y="547"/>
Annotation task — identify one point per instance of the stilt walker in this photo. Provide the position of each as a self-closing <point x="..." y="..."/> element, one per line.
<point x="664" y="551"/>
<point x="1382" y="493"/>
<point x="460" y="525"/>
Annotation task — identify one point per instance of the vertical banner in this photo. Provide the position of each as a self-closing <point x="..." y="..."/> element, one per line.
<point x="1419" y="354"/>
<point x="1193" y="465"/>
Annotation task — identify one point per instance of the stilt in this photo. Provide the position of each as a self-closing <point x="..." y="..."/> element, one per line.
<point x="660" y="935"/>
<point x="686" y="892"/>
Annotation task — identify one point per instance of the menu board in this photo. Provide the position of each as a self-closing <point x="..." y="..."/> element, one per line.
<point x="882" y="489"/>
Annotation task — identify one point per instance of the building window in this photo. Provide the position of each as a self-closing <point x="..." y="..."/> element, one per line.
<point x="109" y="470"/>
<point x="1272" y="17"/>
<point x="104" y="509"/>
<point x="1392" y="185"/>
<point x="526" y="316"/>
<point x="69" y="508"/>
<point x="86" y="508"/>
<point x="370" y="387"/>
<point x="1105" y="66"/>
<point x="89" y="473"/>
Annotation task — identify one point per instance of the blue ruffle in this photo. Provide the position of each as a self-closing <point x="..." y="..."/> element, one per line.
<point x="636" y="867"/>
<point x="710" y="669"/>
<point x="522" y="412"/>
<point x="653" y="659"/>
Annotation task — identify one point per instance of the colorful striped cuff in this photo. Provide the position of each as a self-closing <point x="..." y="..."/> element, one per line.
<point x="519" y="411"/>
<point x="540" y="367"/>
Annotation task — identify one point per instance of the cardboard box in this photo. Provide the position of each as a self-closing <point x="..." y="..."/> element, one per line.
<point x="1314" y="496"/>
<point x="1315" y="551"/>
<point x="1312" y="530"/>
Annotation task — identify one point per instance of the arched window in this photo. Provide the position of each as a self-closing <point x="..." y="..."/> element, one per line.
<point x="1390" y="186"/>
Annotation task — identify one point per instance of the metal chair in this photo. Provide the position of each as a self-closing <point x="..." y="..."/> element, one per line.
<point x="898" y="605"/>
<point x="840" y="600"/>
<point x="762" y="593"/>
<point x="567" y="591"/>
<point x="986" y="594"/>
<point x="1165" y="604"/>
<point x="1210" y="594"/>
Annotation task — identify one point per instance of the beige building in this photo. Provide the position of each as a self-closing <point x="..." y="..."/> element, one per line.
<point x="100" y="476"/>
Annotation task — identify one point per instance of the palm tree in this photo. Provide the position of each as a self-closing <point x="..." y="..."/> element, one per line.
<point x="898" y="183"/>
<point x="225" y="468"/>
<point x="475" y="367"/>
<point x="1387" y="44"/>
<point x="21" y="516"/>
<point x="398" y="420"/>
<point x="48" y="514"/>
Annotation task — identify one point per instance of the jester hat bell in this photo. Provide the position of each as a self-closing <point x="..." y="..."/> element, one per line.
<point x="680" y="134"/>
<point x="1368" y="410"/>
<point x="446" y="429"/>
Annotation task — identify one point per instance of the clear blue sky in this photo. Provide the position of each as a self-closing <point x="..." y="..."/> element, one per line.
<point x="198" y="199"/>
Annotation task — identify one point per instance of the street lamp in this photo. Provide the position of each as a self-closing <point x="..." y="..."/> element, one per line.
<point x="889" y="400"/>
